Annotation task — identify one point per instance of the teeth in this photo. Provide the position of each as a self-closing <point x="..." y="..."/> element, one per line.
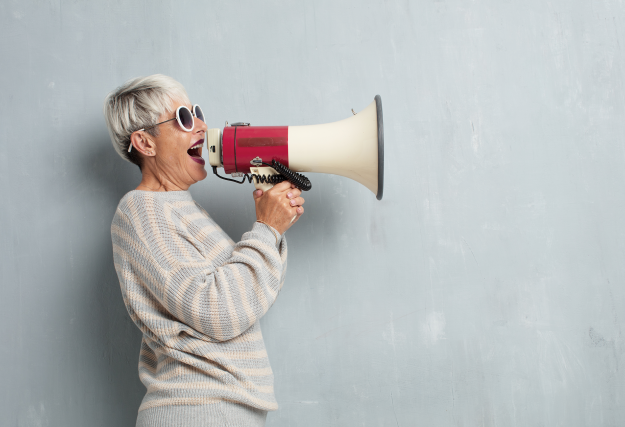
<point x="195" y="150"/>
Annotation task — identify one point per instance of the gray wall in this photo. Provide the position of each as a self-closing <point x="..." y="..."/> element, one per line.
<point x="486" y="289"/>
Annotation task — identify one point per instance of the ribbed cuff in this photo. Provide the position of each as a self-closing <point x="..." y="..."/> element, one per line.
<point x="223" y="413"/>
<point x="267" y="230"/>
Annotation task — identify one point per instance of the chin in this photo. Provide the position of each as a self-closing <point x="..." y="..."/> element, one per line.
<point x="199" y="175"/>
<point x="196" y="170"/>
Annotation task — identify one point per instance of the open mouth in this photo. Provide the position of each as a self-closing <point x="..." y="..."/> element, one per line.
<point x="196" y="152"/>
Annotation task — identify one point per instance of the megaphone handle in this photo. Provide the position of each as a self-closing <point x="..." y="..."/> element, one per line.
<point x="262" y="171"/>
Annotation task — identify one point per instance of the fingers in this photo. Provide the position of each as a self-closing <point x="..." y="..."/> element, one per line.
<point x="285" y="186"/>
<point x="257" y="194"/>
<point x="298" y="201"/>
<point x="298" y="213"/>
<point x="281" y="187"/>
<point x="293" y="193"/>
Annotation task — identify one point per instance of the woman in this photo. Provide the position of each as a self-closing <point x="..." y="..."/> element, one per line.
<point x="196" y="295"/>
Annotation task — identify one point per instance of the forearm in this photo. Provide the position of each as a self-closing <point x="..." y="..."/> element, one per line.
<point x="224" y="301"/>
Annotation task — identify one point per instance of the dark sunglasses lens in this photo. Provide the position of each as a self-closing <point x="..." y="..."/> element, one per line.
<point x="186" y="119"/>
<point x="198" y="113"/>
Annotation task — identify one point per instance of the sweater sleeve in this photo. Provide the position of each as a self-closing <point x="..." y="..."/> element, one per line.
<point x="216" y="295"/>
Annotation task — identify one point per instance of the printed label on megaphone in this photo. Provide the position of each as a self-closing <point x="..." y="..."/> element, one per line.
<point x="266" y="155"/>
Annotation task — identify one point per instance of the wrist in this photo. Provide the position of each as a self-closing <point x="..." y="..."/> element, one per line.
<point x="271" y="224"/>
<point x="273" y="230"/>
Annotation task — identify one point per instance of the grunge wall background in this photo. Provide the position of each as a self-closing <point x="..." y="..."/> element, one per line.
<point x="485" y="289"/>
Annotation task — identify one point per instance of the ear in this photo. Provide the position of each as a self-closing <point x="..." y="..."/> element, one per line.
<point x="142" y="142"/>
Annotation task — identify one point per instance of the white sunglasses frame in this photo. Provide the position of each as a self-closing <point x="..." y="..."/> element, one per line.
<point x="177" y="118"/>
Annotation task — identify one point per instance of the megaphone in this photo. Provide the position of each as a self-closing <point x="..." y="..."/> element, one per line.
<point x="266" y="155"/>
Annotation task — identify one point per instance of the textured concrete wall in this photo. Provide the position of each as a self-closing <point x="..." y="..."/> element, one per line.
<point x="486" y="289"/>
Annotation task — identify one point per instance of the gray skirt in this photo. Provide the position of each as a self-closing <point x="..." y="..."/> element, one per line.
<point x="221" y="414"/>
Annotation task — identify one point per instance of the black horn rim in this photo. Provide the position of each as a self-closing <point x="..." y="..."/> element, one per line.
<point x="378" y="106"/>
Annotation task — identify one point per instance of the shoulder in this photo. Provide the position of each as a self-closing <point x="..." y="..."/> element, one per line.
<point x="158" y="223"/>
<point x="155" y="206"/>
<point x="148" y="214"/>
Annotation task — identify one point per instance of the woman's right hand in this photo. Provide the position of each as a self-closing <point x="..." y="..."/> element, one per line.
<point x="280" y="206"/>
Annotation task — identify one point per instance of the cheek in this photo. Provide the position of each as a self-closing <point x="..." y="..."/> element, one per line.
<point x="174" y="144"/>
<point x="177" y="148"/>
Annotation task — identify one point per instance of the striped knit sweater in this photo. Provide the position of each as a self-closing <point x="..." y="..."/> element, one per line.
<point x="197" y="297"/>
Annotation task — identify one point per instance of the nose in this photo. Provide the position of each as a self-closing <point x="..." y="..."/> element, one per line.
<point x="200" y="126"/>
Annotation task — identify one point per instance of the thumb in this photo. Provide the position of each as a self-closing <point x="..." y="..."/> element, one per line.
<point x="257" y="194"/>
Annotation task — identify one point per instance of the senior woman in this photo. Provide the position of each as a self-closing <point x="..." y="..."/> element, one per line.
<point x="195" y="294"/>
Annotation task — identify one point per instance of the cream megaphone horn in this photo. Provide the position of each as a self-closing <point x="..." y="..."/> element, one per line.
<point x="266" y="155"/>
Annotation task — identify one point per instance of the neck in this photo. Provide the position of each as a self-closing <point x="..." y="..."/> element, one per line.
<point x="156" y="181"/>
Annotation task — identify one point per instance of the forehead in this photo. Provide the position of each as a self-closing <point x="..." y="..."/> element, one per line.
<point x="174" y="104"/>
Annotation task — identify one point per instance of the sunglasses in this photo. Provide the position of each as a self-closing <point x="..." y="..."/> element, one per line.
<point x="185" y="119"/>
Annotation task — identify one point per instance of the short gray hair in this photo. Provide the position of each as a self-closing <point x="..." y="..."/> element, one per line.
<point x="139" y="103"/>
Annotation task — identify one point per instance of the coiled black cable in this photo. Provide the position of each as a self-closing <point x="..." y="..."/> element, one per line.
<point x="297" y="179"/>
<point x="284" y="174"/>
<point x="264" y="179"/>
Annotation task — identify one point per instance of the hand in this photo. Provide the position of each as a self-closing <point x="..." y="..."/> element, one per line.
<point x="280" y="206"/>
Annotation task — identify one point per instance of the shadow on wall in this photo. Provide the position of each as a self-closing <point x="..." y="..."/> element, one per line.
<point x="115" y="346"/>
